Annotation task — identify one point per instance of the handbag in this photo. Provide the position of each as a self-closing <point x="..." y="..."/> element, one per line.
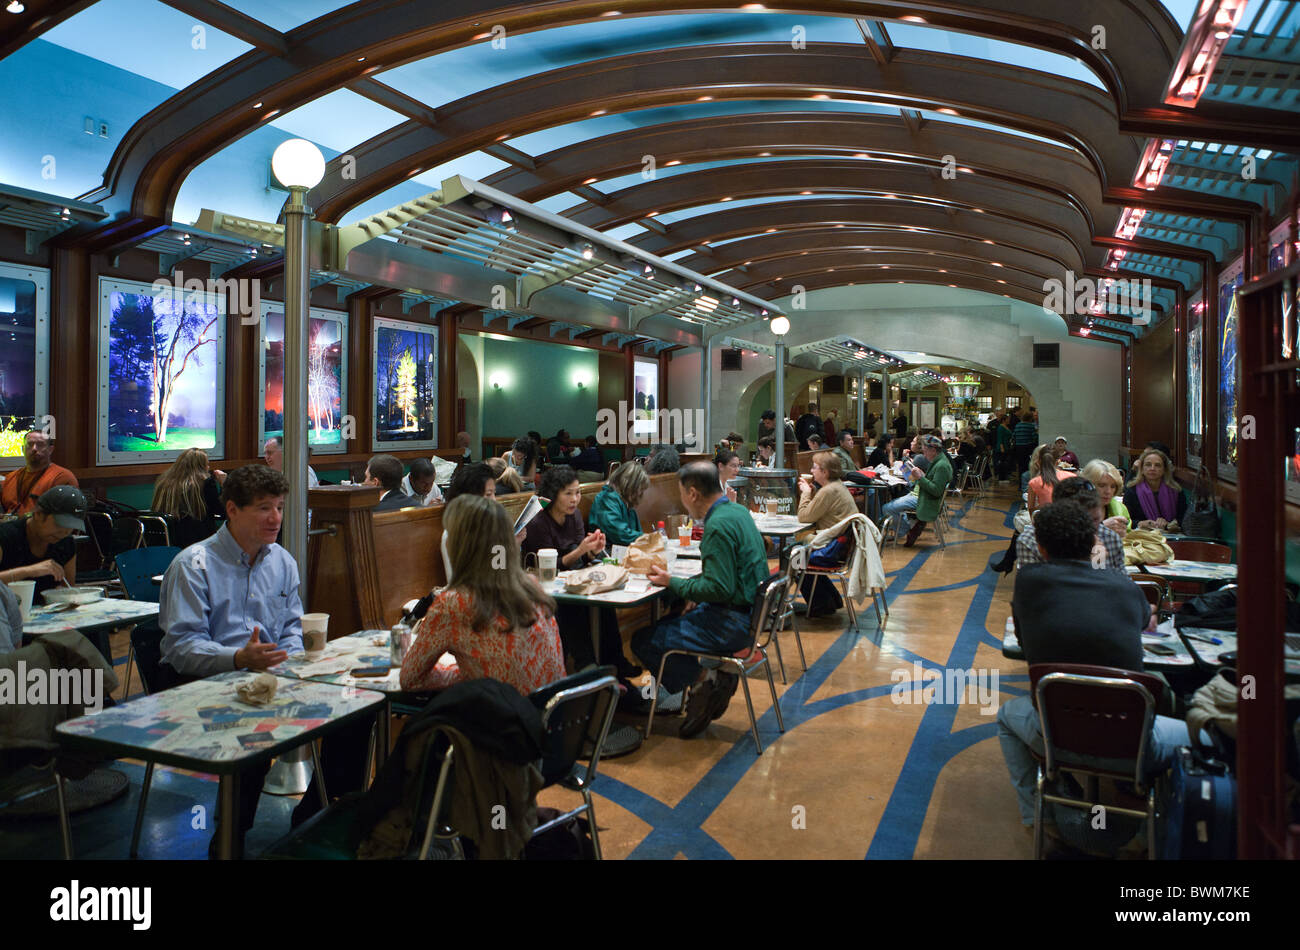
<point x="1202" y="516"/>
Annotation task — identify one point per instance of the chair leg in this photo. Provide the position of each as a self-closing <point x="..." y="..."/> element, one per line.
<point x="875" y="602"/>
<point x="139" y="811"/>
<point x="591" y="820"/>
<point x="1038" y="818"/>
<point x="130" y="655"/>
<point x="320" y="774"/>
<point x="848" y="602"/>
<point x="1151" y="823"/>
<point x="753" y="723"/>
<point x="776" y="642"/>
<point x="798" y="640"/>
<point x="776" y="703"/>
<point x="65" y="826"/>
<point x="654" y="699"/>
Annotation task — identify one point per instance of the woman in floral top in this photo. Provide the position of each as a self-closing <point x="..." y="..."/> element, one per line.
<point x="494" y="619"/>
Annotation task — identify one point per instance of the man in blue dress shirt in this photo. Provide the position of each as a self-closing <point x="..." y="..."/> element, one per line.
<point x="231" y="602"/>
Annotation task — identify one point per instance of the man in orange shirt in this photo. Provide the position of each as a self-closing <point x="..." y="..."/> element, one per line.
<point x="20" y="490"/>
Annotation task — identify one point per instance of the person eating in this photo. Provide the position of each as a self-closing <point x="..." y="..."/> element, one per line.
<point x="1063" y="454"/>
<point x="613" y="511"/>
<point x="559" y="525"/>
<point x="720" y="600"/>
<point x="1109" y="485"/>
<point x="38" y="546"/>
<point x="766" y="452"/>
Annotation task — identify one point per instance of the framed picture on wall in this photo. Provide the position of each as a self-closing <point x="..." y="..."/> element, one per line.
<point x="161" y="372"/>
<point x="1229" y="381"/>
<point x="405" y="371"/>
<point x="1195" y="395"/>
<point x="327" y="376"/>
<point x="646" y="396"/>
<point x="24" y="358"/>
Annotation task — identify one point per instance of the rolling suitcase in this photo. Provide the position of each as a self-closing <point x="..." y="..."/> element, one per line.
<point x="1200" y="809"/>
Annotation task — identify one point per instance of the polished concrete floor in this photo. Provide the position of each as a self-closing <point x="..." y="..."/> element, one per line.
<point x="857" y="772"/>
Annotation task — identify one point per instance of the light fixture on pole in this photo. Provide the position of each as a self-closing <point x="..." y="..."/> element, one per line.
<point x="299" y="166"/>
<point x="780" y="326"/>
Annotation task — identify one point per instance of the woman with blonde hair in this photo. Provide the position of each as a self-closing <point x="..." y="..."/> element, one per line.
<point x="190" y="496"/>
<point x="506" y="477"/>
<point x="613" y="511"/>
<point x="1154" y="499"/>
<point x="494" y="618"/>
<point x="1109" y="485"/>
<point x="1044" y="477"/>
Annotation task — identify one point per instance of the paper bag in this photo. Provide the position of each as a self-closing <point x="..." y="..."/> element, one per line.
<point x="645" y="552"/>
<point x="595" y="579"/>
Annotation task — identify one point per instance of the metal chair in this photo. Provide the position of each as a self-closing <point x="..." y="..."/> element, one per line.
<point x="611" y="468"/>
<point x="136" y="570"/>
<point x="155" y="531"/>
<point x="1154" y="589"/>
<point x="576" y="713"/>
<point x="794" y="574"/>
<point x="766" y="614"/>
<point x="1103" y="713"/>
<point x="838" y="573"/>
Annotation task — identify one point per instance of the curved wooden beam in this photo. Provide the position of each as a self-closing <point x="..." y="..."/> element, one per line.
<point x="1064" y="110"/>
<point x="835" y="176"/>
<point x="984" y="152"/>
<point x="862" y="212"/>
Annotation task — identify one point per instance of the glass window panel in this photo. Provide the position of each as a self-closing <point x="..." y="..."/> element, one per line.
<point x="326" y="377"/>
<point x="1228" y="371"/>
<point x="24" y="356"/>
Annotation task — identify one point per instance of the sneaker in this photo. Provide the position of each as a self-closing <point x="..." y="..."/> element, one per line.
<point x="722" y="693"/>
<point x="698" y="709"/>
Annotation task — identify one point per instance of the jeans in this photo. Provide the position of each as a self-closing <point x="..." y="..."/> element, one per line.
<point x="709" y="628"/>
<point x="897" y="508"/>
<point x="1018" y="732"/>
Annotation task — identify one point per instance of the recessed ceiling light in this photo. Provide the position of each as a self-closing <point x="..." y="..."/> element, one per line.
<point x="591" y="181"/>
<point x="675" y="161"/>
<point x="996" y="264"/>
<point x="770" y="231"/>
<point x="947" y="111"/>
<point x="724" y="199"/>
<point x="805" y="192"/>
<point x="862" y="155"/>
<point x="257" y="105"/>
<point x="987" y="241"/>
<point x="599" y="112"/>
<point x="822" y="96"/>
<point x="15" y="7"/>
<point x="704" y="99"/>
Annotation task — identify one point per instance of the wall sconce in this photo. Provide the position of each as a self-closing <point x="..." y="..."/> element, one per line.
<point x="581" y="380"/>
<point x="498" y="380"/>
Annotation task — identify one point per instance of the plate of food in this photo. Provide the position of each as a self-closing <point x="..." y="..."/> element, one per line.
<point x="75" y="596"/>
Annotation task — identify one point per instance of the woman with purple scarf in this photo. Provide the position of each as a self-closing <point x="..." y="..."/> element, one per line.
<point x="1153" y="499"/>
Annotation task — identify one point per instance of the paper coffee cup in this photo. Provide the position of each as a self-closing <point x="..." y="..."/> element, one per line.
<point x="25" y="590"/>
<point x="315" y="632"/>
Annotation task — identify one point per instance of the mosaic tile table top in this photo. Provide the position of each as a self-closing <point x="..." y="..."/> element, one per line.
<point x="205" y="726"/>
<point x="100" y="613"/>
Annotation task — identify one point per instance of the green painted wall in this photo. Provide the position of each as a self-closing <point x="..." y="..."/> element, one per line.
<point x="539" y="392"/>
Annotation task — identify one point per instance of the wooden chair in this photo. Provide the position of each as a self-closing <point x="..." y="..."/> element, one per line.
<point x="1201" y="551"/>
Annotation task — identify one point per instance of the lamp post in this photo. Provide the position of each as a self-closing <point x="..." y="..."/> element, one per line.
<point x="780" y="326"/>
<point x="299" y="165"/>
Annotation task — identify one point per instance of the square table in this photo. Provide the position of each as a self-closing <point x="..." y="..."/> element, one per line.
<point x="638" y="595"/>
<point x="1207" y="654"/>
<point x="1182" y="659"/>
<point x="780" y="528"/>
<point x="96" y="620"/>
<point x="205" y="727"/>
<point x="342" y="655"/>
<point x="1202" y="571"/>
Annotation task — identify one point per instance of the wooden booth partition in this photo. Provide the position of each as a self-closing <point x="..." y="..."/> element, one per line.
<point x="342" y="570"/>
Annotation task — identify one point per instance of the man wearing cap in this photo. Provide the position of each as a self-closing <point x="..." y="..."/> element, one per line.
<point x="1063" y="454"/>
<point x="39" y="547"/>
<point x="20" y="490"/>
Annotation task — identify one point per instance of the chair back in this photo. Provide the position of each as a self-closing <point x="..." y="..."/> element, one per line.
<point x="1096" y="711"/>
<point x="146" y="644"/>
<point x="766" y="616"/>
<point x="136" y="569"/>
<point x="99" y="525"/>
<point x="1201" y="551"/>
<point x="156" y="529"/>
<point x="1152" y="589"/>
<point x="795" y="568"/>
<point x="576" y="711"/>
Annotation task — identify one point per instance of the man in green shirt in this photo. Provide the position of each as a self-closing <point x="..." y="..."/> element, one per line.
<point x="734" y="563"/>
<point x="844" y="451"/>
